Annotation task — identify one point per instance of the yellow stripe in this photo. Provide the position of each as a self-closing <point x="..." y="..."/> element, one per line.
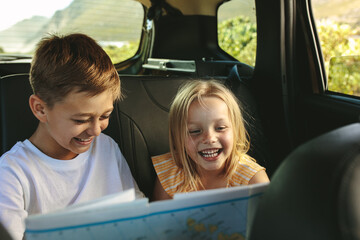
<point x="245" y="171"/>
<point x="170" y="175"/>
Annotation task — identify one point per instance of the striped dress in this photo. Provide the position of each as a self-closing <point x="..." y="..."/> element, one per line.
<point x="172" y="177"/>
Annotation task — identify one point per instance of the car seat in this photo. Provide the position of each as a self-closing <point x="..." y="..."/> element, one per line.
<point x="17" y="121"/>
<point x="4" y="234"/>
<point x="314" y="194"/>
<point x="139" y="123"/>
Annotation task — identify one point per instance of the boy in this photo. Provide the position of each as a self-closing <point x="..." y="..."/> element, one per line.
<point x="67" y="160"/>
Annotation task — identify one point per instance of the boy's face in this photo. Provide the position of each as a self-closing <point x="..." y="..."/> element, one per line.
<point x="72" y="124"/>
<point x="210" y="139"/>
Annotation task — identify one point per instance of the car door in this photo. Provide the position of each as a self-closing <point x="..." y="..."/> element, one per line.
<point x="290" y="79"/>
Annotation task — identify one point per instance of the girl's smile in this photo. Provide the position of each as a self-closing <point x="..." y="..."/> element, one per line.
<point x="210" y="154"/>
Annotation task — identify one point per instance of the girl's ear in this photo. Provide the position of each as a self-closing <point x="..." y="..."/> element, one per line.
<point x="38" y="106"/>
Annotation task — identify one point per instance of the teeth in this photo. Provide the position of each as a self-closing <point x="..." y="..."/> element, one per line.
<point x="210" y="153"/>
<point x="83" y="139"/>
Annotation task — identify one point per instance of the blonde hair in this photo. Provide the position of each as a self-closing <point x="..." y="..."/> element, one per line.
<point x="178" y="131"/>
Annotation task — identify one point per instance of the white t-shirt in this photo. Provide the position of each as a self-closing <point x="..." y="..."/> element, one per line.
<point x="32" y="182"/>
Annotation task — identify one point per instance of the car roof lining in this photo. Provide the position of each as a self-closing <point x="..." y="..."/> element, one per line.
<point x="187" y="7"/>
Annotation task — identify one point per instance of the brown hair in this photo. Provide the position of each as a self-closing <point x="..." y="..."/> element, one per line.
<point x="196" y="90"/>
<point x="71" y="63"/>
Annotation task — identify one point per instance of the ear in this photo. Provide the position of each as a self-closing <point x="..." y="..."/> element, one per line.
<point x="38" y="106"/>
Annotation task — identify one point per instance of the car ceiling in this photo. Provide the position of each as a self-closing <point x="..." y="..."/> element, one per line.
<point x="190" y="7"/>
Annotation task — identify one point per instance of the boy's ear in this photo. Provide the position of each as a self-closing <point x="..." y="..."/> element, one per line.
<point x="38" y="106"/>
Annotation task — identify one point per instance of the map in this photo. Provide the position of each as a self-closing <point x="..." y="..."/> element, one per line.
<point x="213" y="214"/>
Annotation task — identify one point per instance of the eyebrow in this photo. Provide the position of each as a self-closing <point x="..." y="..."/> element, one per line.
<point x="91" y="114"/>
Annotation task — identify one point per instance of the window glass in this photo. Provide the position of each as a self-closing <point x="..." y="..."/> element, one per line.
<point x="115" y="24"/>
<point x="338" y="26"/>
<point x="237" y="30"/>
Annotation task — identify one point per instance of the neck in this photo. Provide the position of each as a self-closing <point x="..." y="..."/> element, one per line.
<point x="46" y="144"/>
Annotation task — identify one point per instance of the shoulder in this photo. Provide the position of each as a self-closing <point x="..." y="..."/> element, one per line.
<point x="104" y="139"/>
<point x="169" y="174"/>
<point x="246" y="169"/>
<point x="164" y="165"/>
<point x="105" y="144"/>
<point x="248" y="164"/>
<point x="15" y="169"/>
<point x="15" y="155"/>
<point x="106" y="148"/>
<point x="161" y="159"/>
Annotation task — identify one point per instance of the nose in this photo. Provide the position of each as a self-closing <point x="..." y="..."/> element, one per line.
<point x="96" y="128"/>
<point x="209" y="137"/>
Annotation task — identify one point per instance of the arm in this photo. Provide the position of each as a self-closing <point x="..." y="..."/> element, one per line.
<point x="159" y="193"/>
<point x="12" y="206"/>
<point x="259" y="177"/>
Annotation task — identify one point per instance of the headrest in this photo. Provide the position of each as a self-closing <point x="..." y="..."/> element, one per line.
<point x="17" y="121"/>
<point x="315" y="193"/>
<point x="4" y="235"/>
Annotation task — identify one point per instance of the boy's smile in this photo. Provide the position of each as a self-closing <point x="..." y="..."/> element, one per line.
<point x="210" y="139"/>
<point x="69" y="127"/>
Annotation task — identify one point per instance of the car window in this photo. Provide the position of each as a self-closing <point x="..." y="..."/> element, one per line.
<point x="237" y="29"/>
<point x="338" y="26"/>
<point x="116" y="25"/>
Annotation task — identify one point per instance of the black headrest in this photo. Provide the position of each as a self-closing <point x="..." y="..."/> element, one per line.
<point x="315" y="193"/>
<point x="4" y="234"/>
<point x="17" y="120"/>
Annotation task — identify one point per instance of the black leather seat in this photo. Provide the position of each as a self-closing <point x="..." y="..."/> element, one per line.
<point x="315" y="192"/>
<point x="4" y="235"/>
<point x="139" y="123"/>
<point x="17" y="121"/>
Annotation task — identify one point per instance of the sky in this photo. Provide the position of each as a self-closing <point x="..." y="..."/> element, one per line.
<point x="13" y="11"/>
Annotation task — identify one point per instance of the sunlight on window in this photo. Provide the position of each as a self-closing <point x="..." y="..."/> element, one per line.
<point x="116" y="25"/>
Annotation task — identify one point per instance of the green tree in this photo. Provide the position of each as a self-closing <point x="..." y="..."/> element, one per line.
<point x="1" y="50"/>
<point x="341" y="52"/>
<point x="119" y="54"/>
<point x="339" y="42"/>
<point x="237" y="36"/>
<point x="344" y="75"/>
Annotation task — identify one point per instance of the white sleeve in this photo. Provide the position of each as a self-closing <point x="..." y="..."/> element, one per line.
<point x="12" y="206"/>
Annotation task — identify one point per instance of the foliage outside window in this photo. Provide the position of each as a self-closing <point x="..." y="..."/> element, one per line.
<point x="119" y="54"/>
<point x="237" y="30"/>
<point x="338" y="26"/>
<point x="237" y="36"/>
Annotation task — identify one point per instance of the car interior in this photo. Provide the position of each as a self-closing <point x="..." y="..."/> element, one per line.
<point x="306" y="137"/>
<point x="324" y="204"/>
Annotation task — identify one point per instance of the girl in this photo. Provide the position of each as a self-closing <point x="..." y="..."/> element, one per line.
<point x="208" y="143"/>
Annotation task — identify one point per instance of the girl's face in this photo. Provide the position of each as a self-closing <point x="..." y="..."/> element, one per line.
<point x="210" y="140"/>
